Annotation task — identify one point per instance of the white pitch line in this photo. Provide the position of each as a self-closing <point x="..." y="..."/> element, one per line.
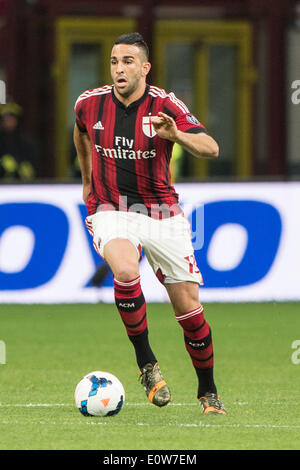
<point x="29" y="405"/>
<point x="99" y="422"/>
<point x="224" y="425"/>
<point x="49" y="405"/>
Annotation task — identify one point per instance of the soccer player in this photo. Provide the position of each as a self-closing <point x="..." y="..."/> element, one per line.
<point x="124" y="135"/>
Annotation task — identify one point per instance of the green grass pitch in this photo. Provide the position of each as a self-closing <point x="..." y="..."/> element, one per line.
<point x="50" y="347"/>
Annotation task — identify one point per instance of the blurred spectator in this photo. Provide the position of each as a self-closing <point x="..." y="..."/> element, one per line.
<point x="19" y="156"/>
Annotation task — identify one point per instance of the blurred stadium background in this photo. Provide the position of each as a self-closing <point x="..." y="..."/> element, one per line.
<point x="233" y="62"/>
<point x="236" y="64"/>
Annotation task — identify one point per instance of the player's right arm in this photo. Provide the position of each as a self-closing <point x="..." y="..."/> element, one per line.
<point x="83" y="147"/>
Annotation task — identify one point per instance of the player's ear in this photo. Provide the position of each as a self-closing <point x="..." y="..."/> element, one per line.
<point x="146" y="68"/>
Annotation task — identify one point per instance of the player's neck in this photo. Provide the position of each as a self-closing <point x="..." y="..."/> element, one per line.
<point x="135" y="96"/>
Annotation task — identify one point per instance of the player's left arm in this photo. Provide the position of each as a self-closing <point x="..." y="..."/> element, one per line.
<point x="201" y="145"/>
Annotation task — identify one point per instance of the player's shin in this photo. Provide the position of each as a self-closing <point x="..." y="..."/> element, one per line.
<point x="131" y="304"/>
<point x="198" y="343"/>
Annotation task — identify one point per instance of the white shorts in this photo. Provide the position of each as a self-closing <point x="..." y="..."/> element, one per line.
<point x="166" y="243"/>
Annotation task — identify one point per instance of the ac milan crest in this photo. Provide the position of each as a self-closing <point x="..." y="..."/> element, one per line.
<point x="147" y="126"/>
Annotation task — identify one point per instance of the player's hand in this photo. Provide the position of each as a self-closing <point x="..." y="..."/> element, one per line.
<point x="165" y="126"/>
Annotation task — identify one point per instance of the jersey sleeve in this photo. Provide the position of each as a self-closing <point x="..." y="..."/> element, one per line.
<point x="79" y="115"/>
<point x="185" y="120"/>
<point x="189" y="123"/>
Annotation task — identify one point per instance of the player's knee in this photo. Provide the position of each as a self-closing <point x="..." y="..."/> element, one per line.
<point x="126" y="271"/>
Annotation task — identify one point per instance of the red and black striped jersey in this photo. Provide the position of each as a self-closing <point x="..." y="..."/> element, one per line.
<point x="130" y="162"/>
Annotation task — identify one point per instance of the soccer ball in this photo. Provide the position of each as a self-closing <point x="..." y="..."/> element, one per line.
<point x="99" y="394"/>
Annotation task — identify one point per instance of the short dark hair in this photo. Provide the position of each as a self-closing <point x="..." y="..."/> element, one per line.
<point x="135" y="39"/>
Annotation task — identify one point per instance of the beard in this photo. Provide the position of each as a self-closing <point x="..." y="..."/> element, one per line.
<point x="130" y="88"/>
